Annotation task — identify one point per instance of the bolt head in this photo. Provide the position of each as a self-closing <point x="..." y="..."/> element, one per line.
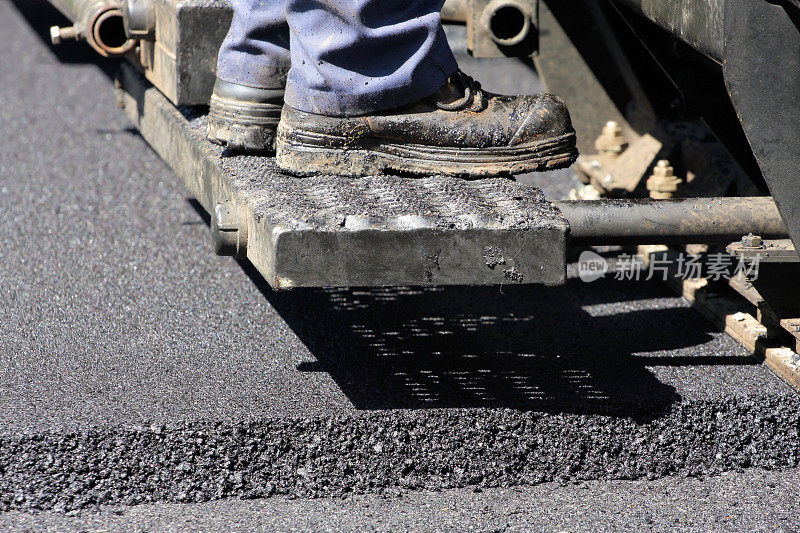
<point x="611" y="142"/>
<point x="612" y="128"/>
<point x="663" y="169"/>
<point x="55" y="35"/>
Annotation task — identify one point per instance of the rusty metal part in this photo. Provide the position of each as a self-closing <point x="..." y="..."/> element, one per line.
<point x="507" y="22"/>
<point x="99" y="22"/>
<point x="496" y="28"/>
<point x="678" y="221"/>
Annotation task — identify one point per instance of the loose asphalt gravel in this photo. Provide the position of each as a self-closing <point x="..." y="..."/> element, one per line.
<point x="138" y="368"/>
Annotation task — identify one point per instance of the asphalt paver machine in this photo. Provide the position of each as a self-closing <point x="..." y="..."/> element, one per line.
<point x="687" y="120"/>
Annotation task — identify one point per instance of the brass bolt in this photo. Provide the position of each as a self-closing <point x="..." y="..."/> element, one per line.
<point x="58" y="35"/>
<point x="611" y="143"/>
<point x="663" y="169"/>
<point x="662" y="184"/>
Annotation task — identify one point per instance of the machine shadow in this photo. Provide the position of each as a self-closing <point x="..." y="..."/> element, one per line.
<point x="523" y="348"/>
<point x="550" y="349"/>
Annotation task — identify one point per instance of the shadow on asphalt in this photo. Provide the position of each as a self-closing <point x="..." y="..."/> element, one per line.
<point x="400" y="348"/>
<point x="521" y="347"/>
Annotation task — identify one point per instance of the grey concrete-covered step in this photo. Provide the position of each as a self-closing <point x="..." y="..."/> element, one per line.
<point x="372" y="231"/>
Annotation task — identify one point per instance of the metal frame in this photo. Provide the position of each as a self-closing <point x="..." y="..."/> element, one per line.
<point x="302" y="232"/>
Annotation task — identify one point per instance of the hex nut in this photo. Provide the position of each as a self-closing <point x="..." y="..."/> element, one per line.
<point x="752" y="241"/>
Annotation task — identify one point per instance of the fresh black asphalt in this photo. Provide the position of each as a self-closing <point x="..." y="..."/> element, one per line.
<point x="136" y="366"/>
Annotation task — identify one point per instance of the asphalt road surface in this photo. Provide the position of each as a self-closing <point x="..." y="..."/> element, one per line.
<point x="146" y="384"/>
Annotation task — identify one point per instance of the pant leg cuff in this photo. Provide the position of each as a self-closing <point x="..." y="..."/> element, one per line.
<point x="258" y="76"/>
<point x="434" y="73"/>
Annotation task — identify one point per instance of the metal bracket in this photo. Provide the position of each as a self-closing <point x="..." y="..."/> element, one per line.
<point x="753" y="248"/>
<point x="762" y="74"/>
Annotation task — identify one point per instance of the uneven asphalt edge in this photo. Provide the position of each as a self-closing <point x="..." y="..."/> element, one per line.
<point x="439" y="449"/>
<point x="376" y="452"/>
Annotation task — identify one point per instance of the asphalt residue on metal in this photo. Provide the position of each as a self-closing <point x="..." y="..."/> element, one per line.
<point x="326" y="202"/>
<point x="138" y="367"/>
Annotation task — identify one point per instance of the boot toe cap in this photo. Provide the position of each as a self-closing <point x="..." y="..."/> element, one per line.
<point x="547" y="116"/>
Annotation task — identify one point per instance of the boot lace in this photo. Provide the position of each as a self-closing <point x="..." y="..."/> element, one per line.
<point x="472" y="93"/>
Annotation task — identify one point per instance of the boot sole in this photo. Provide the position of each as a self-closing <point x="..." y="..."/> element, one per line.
<point x="243" y="126"/>
<point x="306" y="154"/>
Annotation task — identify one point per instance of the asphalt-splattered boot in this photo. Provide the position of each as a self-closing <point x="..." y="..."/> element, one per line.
<point x="244" y="119"/>
<point x="252" y="65"/>
<point x="458" y="130"/>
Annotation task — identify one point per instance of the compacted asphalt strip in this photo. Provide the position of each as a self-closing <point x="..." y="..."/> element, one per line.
<point x="138" y="368"/>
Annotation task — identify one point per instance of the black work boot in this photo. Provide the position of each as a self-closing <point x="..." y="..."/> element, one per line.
<point x="458" y="130"/>
<point x="244" y="118"/>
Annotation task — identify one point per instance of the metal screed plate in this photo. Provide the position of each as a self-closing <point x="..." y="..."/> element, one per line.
<point x="372" y="231"/>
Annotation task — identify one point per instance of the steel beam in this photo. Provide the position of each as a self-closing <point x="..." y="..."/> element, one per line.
<point x="698" y="23"/>
<point x="762" y="74"/>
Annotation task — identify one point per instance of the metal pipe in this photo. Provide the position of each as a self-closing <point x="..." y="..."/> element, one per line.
<point x="506" y="22"/>
<point x="99" y="22"/>
<point x="676" y="221"/>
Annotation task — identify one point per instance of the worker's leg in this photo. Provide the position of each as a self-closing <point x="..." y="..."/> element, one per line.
<point x="374" y="88"/>
<point x="360" y="56"/>
<point x="251" y="75"/>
